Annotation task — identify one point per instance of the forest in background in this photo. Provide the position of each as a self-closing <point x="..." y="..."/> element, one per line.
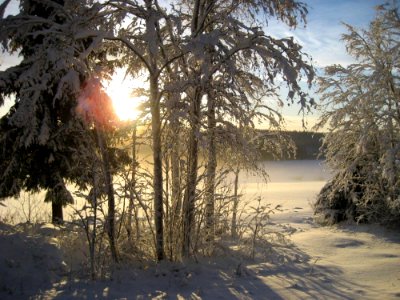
<point x="307" y="145"/>
<point x="301" y="145"/>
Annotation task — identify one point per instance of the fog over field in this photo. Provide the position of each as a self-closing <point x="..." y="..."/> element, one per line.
<point x="288" y="182"/>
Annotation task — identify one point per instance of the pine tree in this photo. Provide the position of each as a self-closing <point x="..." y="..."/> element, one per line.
<point x="41" y="132"/>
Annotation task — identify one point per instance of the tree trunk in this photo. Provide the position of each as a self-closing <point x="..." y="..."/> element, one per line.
<point x="175" y="172"/>
<point x="392" y="158"/>
<point x="235" y="204"/>
<point x="57" y="211"/>
<point x="58" y="196"/>
<point x="211" y="170"/>
<point x="110" y="194"/>
<point x="176" y="192"/>
<point x="190" y="192"/>
<point x="132" y="186"/>
<point x="157" y="177"/>
<point x="153" y="51"/>
<point x="93" y="240"/>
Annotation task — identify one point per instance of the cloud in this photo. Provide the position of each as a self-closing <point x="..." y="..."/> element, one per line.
<point x="321" y="38"/>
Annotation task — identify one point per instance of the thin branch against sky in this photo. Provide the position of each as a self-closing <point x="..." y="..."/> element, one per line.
<point x="321" y="39"/>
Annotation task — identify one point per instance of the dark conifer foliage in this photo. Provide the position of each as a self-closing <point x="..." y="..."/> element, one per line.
<point x="41" y="134"/>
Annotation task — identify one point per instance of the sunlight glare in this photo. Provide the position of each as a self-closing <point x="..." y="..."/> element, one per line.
<point x="120" y="91"/>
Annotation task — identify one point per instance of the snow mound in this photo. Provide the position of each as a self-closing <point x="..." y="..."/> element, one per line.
<point x="29" y="261"/>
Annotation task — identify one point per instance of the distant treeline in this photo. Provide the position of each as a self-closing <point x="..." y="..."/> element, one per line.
<point x="307" y="145"/>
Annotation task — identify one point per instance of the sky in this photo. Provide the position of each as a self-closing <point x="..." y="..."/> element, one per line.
<point x="321" y="39"/>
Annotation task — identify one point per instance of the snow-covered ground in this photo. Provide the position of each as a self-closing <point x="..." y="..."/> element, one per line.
<point x="342" y="262"/>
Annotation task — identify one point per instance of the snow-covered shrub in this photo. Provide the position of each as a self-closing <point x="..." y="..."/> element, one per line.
<point x="361" y="110"/>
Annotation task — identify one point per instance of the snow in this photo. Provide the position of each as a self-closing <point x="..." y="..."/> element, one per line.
<point x="30" y="261"/>
<point x="342" y="262"/>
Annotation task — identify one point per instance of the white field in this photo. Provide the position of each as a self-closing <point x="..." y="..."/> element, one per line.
<point x="342" y="262"/>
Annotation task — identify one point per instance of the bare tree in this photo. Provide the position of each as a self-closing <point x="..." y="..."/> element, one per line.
<point x="233" y="66"/>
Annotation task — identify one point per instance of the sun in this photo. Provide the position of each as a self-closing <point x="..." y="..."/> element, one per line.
<point x="120" y="90"/>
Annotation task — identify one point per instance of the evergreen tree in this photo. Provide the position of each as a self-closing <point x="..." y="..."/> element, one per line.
<point x="361" y="108"/>
<point x="40" y="133"/>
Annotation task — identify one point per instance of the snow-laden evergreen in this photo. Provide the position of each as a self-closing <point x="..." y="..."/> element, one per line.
<point x="361" y="109"/>
<point x="41" y="134"/>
